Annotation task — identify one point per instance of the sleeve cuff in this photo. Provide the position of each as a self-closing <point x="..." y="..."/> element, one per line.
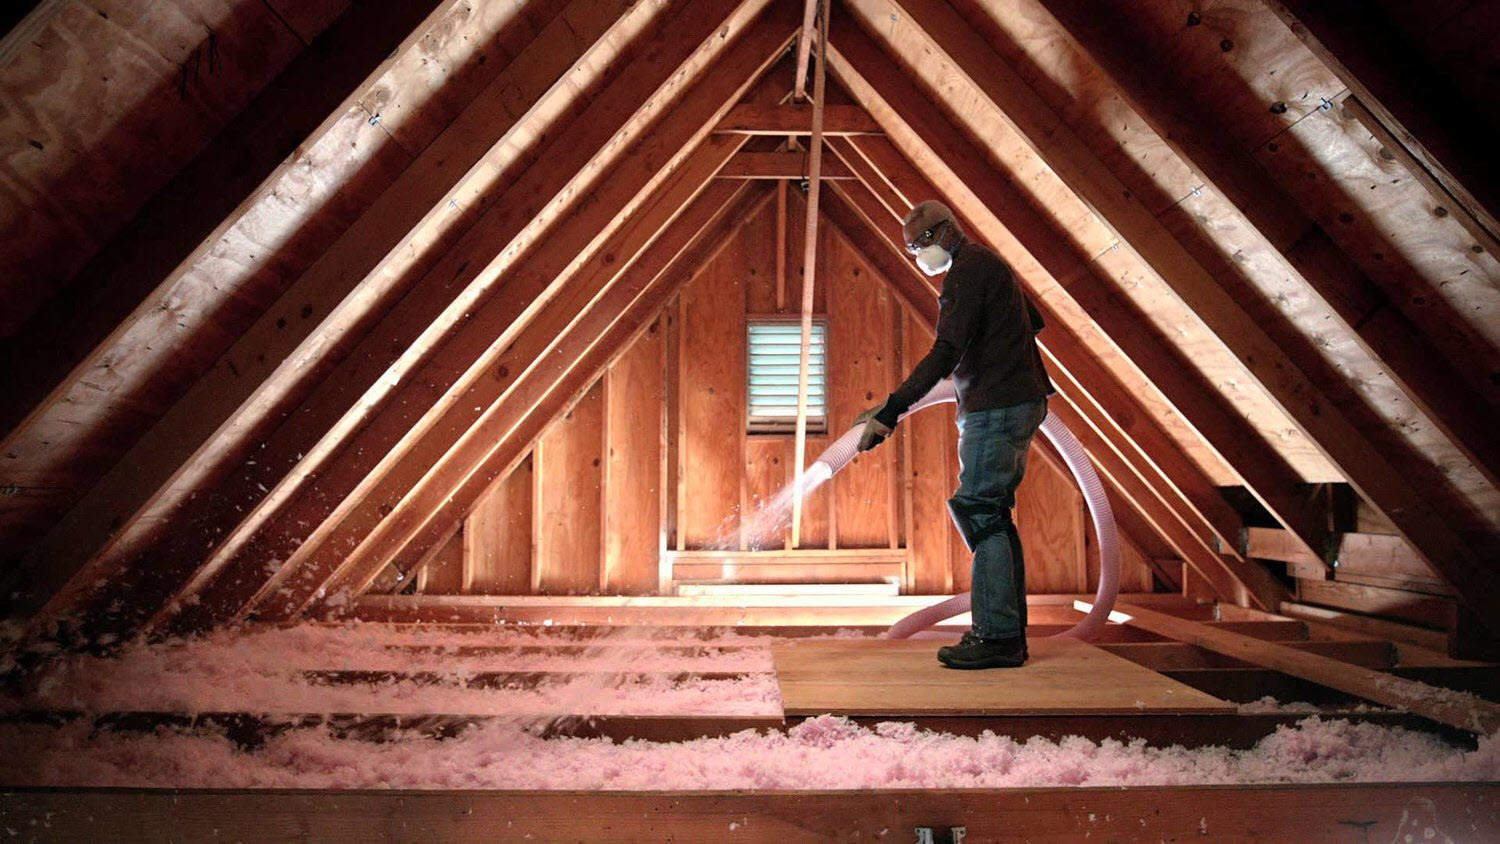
<point x="890" y="414"/>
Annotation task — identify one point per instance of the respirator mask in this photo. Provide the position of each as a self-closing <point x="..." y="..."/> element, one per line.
<point x="926" y="247"/>
<point x="934" y="259"/>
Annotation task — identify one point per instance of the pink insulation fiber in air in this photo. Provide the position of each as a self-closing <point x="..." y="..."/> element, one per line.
<point x="822" y="753"/>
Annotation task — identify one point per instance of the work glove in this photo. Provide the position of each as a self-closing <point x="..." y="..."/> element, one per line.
<point x="873" y="431"/>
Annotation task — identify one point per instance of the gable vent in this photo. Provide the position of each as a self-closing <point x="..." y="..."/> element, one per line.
<point x="775" y="349"/>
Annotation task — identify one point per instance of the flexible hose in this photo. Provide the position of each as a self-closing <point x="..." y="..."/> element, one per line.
<point x="845" y="448"/>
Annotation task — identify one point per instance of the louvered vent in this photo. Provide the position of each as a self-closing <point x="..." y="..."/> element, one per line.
<point x="775" y="347"/>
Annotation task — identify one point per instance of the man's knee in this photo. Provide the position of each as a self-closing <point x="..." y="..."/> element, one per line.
<point x="978" y="522"/>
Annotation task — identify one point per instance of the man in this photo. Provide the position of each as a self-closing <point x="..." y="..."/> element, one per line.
<point x="986" y="339"/>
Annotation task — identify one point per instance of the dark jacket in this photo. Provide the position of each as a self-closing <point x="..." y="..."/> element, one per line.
<point x="986" y="339"/>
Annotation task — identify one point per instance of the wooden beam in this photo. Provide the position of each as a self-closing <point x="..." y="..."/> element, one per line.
<point x="1397" y="604"/>
<point x="870" y="176"/>
<point x="1465" y="712"/>
<point x="1346" y="623"/>
<point x="274" y="527"/>
<point x="809" y="267"/>
<point x="804" y="47"/>
<point x="1413" y="102"/>
<point x="1384" y="812"/>
<point x="1385" y="333"/>
<point x="1178" y="656"/>
<point x="784" y="120"/>
<point x="39" y="354"/>
<point x="1368" y="468"/>
<point x="1366" y="553"/>
<point x="232" y="415"/>
<point x="780" y="165"/>
<point x="1277" y="544"/>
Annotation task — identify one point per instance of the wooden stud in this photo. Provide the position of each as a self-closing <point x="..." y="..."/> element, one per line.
<point x="406" y="534"/>
<point x="781" y="246"/>
<point x="809" y="267"/>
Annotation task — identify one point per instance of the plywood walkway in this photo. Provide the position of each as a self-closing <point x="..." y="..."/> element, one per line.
<point x="893" y="677"/>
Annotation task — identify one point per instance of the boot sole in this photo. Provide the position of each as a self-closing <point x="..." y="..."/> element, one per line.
<point x="982" y="663"/>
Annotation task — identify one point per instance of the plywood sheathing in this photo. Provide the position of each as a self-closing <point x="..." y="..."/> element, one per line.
<point x="91" y="87"/>
<point x="900" y="677"/>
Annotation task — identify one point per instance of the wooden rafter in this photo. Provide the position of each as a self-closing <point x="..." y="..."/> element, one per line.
<point x="1379" y="67"/>
<point x="230" y="414"/>
<point x="1040" y="253"/>
<point x="1179" y="385"/>
<point x="306" y="448"/>
<point x="1183" y="531"/>
<point x="1384" y="476"/>
<point x="1443" y="392"/>
<point x="804" y="47"/>
<point x="693" y="117"/>
<point x="1153" y="446"/>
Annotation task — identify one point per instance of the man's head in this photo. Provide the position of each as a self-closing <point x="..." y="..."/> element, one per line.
<point x="931" y="235"/>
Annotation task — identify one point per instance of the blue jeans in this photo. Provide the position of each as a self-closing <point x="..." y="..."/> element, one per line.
<point x="992" y="446"/>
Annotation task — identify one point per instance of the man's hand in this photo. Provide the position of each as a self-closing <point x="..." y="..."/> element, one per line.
<point x="874" y="431"/>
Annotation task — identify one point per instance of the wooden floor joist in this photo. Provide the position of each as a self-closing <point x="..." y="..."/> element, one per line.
<point x="1465" y="712"/>
<point x="1305" y="812"/>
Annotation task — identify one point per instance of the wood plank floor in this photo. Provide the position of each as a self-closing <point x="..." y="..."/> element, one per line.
<point x="895" y="677"/>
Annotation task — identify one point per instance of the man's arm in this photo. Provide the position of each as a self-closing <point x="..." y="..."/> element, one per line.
<point x="960" y="310"/>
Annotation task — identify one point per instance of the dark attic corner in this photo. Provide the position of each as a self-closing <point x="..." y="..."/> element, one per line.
<point x="750" y="419"/>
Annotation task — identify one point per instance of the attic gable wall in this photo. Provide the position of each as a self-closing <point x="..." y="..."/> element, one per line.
<point x="1202" y="338"/>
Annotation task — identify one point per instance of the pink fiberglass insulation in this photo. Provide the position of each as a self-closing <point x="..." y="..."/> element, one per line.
<point x="628" y="672"/>
<point x="822" y="753"/>
<point x="594" y="672"/>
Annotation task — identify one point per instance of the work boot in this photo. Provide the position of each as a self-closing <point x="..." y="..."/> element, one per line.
<point x="974" y="652"/>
